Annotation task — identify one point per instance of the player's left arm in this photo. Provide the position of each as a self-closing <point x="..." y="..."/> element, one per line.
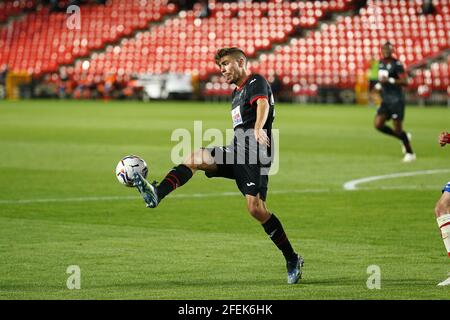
<point x="259" y="99"/>
<point x="262" y="112"/>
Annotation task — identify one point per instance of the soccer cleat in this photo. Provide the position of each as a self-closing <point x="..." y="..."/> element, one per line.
<point x="446" y="282"/>
<point x="294" y="270"/>
<point x="147" y="190"/>
<point x="409" y="157"/>
<point x="409" y="135"/>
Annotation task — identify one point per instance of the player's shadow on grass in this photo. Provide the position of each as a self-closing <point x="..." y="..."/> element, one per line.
<point x="214" y="283"/>
<point x="362" y="282"/>
<point x="195" y="283"/>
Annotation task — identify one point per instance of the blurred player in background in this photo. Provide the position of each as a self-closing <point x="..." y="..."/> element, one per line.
<point x="442" y="209"/>
<point x="252" y="114"/>
<point x="391" y="77"/>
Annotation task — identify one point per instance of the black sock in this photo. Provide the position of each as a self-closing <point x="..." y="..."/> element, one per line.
<point x="404" y="137"/>
<point x="176" y="177"/>
<point x="387" y="130"/>
<point x="276" y="233"/>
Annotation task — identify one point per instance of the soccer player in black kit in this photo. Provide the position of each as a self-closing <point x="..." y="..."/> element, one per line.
<point x="392" y="77"/>
<point x="247" y="160"/>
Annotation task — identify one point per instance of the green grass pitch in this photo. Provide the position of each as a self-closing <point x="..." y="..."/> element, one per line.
<point x="61" y="205"/>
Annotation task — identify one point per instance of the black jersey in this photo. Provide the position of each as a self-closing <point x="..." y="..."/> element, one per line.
<point x="243" y="105"/>
<point x="392" y="92"/>
<point x="244" y="112"/>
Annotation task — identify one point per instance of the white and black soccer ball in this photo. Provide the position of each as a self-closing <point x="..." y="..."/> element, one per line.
<point x="128" y="165"/>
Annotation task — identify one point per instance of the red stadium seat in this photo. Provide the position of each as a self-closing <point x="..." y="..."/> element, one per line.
<point x="330" y="56"/>
<point x="100" y="24"/>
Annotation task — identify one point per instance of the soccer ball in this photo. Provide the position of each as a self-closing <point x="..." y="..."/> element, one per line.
<point x="128" y="165"/>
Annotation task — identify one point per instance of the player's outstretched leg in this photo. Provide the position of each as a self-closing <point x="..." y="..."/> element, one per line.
<point x="175" y="178"/>
<point x="442" y="212"/>
<point x="272" y="226"/>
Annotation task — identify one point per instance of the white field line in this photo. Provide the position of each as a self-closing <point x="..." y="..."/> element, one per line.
<point x="352" y="185"/>
<point x="116" y="198"/>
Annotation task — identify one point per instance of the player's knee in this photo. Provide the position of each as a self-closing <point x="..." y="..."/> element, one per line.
<point x="253" y="209"/>
<point x="194" y="160"/>
<point x="188" y="162"/>
<point x="438" y="209"/>
<point x="257" y="212"/>
<point x="442" y="207"/>
<point x="378" y="125"/>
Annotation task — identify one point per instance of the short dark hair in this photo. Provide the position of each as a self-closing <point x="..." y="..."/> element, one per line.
<point x="233" y="51"/>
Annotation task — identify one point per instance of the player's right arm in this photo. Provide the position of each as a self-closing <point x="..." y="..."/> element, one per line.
<point x="444" y="138"/>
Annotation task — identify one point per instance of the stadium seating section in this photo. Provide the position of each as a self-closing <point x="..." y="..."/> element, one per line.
<point x="339" y="51"/>
<point x="308" y="44"/>
<point x="10" y="8"/>
<point x="41" y="41"/>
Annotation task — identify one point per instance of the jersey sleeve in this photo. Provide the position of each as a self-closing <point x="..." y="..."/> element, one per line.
<point x="258" y="88"/>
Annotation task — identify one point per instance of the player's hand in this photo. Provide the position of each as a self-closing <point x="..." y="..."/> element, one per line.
<point x="261" y="137"/>
<point x="384" y="79"/>
<point x="444" y="138"/>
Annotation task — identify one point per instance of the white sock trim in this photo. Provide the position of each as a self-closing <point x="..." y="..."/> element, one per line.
<point x="444" y="224"/>
<point x="441" y="220"/>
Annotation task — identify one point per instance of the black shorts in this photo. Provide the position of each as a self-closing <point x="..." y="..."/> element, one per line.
<point x="250" y="178"/>
<point x="392" y="110"/>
